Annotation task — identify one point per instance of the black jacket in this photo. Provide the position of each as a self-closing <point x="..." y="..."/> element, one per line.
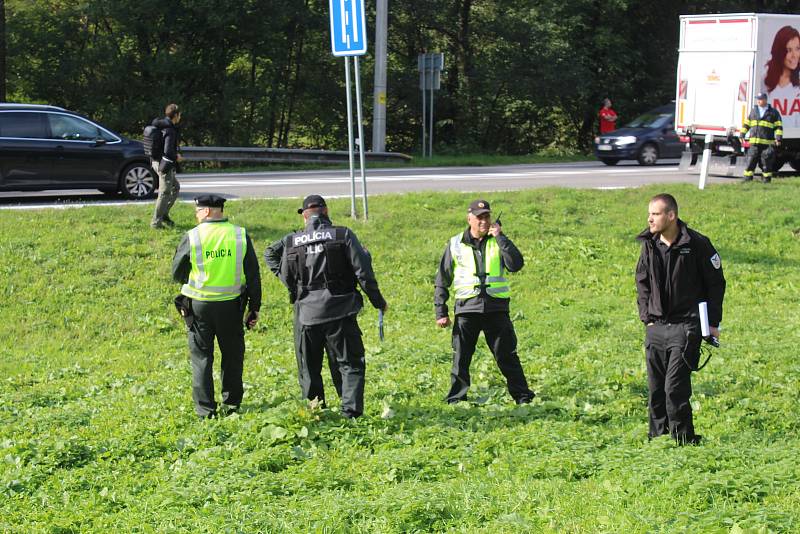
<point x="512" y="261"/>
<point x="763" y="130"/>
<point x="172" y="137"/>
<point x="694" y="275"/>
<point x="322" y="266"/>
<point x="182" y="265"/>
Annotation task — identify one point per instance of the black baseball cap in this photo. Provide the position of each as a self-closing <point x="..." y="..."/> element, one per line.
<point x="761" y="96"/>
<point x="209" y="201"/>
<point x="479" y="207"/>
<point x="312" y="201"/>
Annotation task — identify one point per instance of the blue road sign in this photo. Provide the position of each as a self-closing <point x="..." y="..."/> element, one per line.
<point x="348" y="28"/>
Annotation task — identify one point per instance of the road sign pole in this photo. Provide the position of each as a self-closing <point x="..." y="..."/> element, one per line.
<point x="350" y="136"/>
<point x="361" y="138"/>
<point x="424" y="113"/>
<point x="430" y="129"/>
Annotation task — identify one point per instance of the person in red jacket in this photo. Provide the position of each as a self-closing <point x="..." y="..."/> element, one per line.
<point x="608" y="117"/>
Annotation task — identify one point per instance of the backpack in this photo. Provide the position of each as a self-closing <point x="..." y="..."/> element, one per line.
<point x="153" y="142"/>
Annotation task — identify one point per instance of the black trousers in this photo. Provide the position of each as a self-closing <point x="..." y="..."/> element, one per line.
<point x="764" y="154"/>
<point x="502" y="341"/>
<point x="669" y="347"/>
<point x="342" y="341"/>
<point x="223" y="321"/>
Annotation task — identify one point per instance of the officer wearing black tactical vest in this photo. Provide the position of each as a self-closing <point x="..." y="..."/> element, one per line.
<point x="218" y="267"/>
<point x="322" y="266"/>
<point x="475" y="262"/>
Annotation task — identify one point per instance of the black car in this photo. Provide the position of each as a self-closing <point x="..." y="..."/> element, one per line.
<point x="648" y="138"/>
<point x="47" y="147"/>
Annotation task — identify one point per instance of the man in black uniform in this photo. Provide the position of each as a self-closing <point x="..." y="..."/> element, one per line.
<point x="765" y="129"/>
<point x="678" y="268"/>
<point x="322" y="266"/>
<point x="476" y="261"/>
<point x="218" y="267"/>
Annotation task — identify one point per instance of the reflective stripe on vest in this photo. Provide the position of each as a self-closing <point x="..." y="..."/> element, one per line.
<point x="217" y="255"/>
<point x="466" y="282"/>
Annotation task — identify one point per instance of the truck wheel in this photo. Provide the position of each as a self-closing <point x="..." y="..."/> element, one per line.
<point x="648" y="154"/>
<point x="609" y="161"/>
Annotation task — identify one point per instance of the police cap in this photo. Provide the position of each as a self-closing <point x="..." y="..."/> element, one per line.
<point x="761" y="96"/>
<point x="312" y="201"/>
<point x="209" y="201"/>
<point x="479" y="207"/>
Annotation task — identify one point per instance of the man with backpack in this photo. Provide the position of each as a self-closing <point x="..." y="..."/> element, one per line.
<point x="161" y="141"/>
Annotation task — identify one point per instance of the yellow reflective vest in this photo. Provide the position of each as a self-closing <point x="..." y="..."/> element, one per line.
<point x="466" y="281"/>
<point x="216" y="251"/>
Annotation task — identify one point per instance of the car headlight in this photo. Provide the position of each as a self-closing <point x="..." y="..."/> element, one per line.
<point x="626" y="140"/>
<point x="597" y="140"/>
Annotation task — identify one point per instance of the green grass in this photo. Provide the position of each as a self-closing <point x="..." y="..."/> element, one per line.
<point x="97" y="432"/>
<point x="461" y="160"/>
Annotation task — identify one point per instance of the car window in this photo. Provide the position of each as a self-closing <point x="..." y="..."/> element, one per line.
<point x="22" y="124"/>
<point x="74" y="129"/>
<point x="651" y="120"/>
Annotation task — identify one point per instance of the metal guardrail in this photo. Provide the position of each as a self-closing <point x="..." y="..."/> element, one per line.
<point x="290" y="155"/>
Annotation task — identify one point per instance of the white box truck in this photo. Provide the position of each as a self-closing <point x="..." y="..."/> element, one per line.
<point x="723" y="62"/>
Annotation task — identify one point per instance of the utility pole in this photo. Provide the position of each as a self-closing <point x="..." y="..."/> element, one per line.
<point x="2" y="50"/>
<point x="379" y="101"/>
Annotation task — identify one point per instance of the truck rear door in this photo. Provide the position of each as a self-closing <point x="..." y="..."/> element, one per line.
<point x="715" y="73"/>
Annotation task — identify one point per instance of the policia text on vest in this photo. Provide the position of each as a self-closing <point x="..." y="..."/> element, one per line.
<point x="475" y="262"/>
<point x="218" y="267"/>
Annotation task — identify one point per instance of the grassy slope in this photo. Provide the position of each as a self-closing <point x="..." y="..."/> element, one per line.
<point x="98" y="432"/>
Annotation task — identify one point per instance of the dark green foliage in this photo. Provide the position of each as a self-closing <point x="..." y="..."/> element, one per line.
<point x="521" y="76"/>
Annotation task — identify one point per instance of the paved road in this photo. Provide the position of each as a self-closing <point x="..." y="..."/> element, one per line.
<point x="333" y="183"/>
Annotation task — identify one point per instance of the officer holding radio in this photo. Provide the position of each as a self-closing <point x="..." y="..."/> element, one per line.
<point x="323" y="266"/>
<point x="678" y="269"/>
<point x="218" y="267"/>
<point x="475" y="262"/>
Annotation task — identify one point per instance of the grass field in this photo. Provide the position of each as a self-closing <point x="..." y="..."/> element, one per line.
<point x="97" y="431"/>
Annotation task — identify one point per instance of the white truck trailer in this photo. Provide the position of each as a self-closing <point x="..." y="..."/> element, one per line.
<point x="723" y="62"/>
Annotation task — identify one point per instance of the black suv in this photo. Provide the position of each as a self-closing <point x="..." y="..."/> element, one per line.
<point x="46" y="147"/>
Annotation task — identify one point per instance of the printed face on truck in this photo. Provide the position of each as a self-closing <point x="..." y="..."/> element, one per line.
<point x="792" y="54"/>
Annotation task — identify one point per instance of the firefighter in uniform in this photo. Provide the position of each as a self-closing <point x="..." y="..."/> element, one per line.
<point x="475" y="262"/>
<point x="322" y="266"/>
<point x="678" y="268"/>
<point x="218" y="267"/>
<point x="765" y="130"/>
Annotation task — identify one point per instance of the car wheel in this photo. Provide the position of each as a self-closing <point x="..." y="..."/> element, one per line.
<point x="609" y="161"/>
<point x="138" y="182"/>
<point x="648" y="155"/>
<point x="795" y="164"/>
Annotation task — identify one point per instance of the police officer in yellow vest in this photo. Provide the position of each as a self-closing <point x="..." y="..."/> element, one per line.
<point x="475" y="262"/>
<point x="218" y="267"/>
<point x="764" y="129"/>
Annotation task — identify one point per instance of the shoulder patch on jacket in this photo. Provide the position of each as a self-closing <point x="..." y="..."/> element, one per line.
<point x="716" y="261"/>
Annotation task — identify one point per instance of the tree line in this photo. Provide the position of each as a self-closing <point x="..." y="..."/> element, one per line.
<point x="521" y="76"/>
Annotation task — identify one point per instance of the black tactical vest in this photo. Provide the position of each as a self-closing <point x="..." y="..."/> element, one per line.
<point x="317" y="259"/>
